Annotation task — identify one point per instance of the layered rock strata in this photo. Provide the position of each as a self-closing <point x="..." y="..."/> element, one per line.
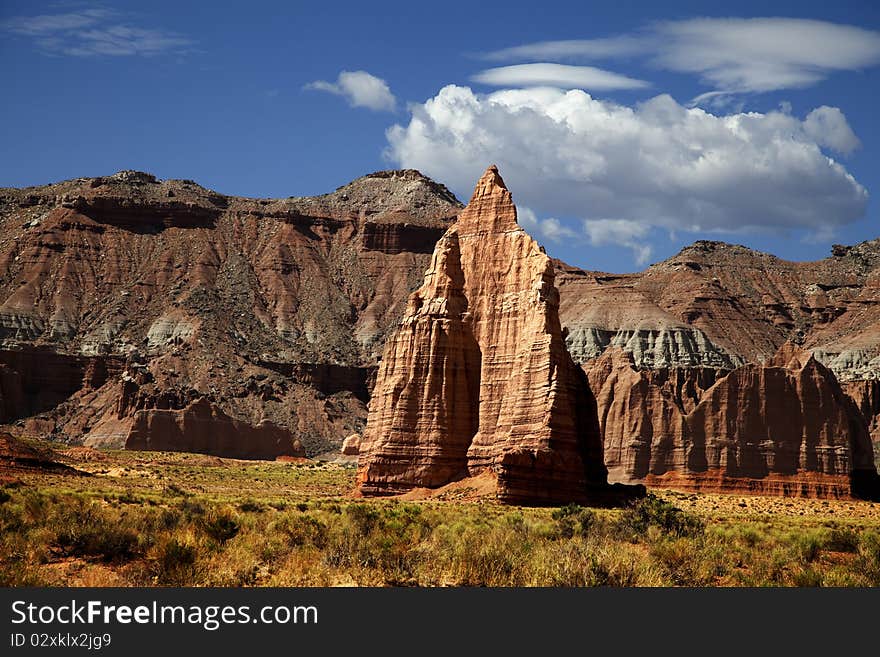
<point x="780" y="427"/>
<point x="269" y="309"/>
<point x="477" y="377"/>
<point x="722" y="305"/>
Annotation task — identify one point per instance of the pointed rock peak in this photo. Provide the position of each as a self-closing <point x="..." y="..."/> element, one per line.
<point x="490" y="184"/>
<point x="491" y="207"/>
<point x="791" y="356"/>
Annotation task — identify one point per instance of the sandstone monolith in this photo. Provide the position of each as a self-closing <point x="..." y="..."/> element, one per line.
<point x="477" y="377"/>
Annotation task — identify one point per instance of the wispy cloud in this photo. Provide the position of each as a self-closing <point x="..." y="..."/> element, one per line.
<point x="764" y="54"/>
<point x="556" y="75"/>
<point x="94" y="32"/>
<point x="732" y="55"/>
<point x="618" y="46"/>
<point x="360" y="89"/>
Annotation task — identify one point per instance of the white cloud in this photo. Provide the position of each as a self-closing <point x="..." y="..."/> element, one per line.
<point x="623" y="232"/>
<point x="556" y="75"/>
<point x="733" y="55"/>
<point x="360" y="89"/>
<point x="548" y="229"/>
<point x="598" y="232"/>
<point x="828" y="127"/>
<point x="49" y="23"/>
<point x="654" y="165"/>
<point x="763" y="54"/>
<point x="619" y="46"/>
<point x="93" y="32"/>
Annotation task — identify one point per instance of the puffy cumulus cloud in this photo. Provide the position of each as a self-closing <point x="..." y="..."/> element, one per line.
<point x="828" y="127"/>
<point x="598" y="232"/>
<point x="360" y="89"/>
<point x="629" y="169"/>
<point x="556" y="75"/>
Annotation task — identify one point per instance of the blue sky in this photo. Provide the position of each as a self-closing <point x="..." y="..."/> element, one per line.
<point x="653" y="124"/>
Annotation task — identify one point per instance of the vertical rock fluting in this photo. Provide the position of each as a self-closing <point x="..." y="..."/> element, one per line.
<point x="780" y="427"/>
<point x="423" y="413"/>
<point x="478" y="377"/>
<point x="642" y="413"/>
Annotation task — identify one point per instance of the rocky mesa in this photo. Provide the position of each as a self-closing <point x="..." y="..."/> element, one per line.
<point x="142" y="313"/>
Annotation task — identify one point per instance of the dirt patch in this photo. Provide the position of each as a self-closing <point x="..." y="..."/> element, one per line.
<point x="469" y="489"/>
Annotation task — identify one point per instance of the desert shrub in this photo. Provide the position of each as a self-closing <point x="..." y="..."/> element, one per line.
<point x="191" y="509"/>
<point x="173" y="490"/>
<point x="362" y="516"/>
<point x="12" y="519"/>
<point x="595" y="561"/>
<point x="806" y="576"/>
<point x="15" y="570"/>
<point x="689" y="561"/>
<point x="220" y="525"/>
<point x="35" y="506"/>
<point x="128" y="498"/>
<point x="84" y="530"/>
<point x="383" y="538"/>
<point x="869" y="557"/>
<point x="175" y="563"/>
<point x="842" y="539"/>
<point x="750" y="536"/>
<point x="4" y="496"/>
<point x="807" y="545"/>
<point x="477" y="551"/>
<point x="652" y="511"/>
<point x="573" y="520"/>
<point x="303" y="530"/>
<point x="251" y="506"/>
<point x="168" y="519"/>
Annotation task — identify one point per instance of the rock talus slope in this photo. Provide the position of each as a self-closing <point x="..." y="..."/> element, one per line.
<point x="477" y="377"/>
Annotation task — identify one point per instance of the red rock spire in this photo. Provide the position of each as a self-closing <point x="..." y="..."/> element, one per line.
<point x="478" y="377"/>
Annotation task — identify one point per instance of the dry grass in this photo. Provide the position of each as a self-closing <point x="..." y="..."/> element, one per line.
<point x="177" y="519"/>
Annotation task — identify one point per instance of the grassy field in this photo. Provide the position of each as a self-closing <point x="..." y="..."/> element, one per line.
<point x="158" y="519"/>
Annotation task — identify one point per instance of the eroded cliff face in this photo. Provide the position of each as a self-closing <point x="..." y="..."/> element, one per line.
<point x="722" y="305"/>
<point x="780" y="427"/>
<point x="271" y="310"/>
<point x="717" y="306"/>
<point x="866" y="396"/>
<point x="608" y="310"/>
<point x="477" y="377"/>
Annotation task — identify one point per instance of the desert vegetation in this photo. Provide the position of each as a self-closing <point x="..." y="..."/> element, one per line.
<point x="200" y="526"/>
